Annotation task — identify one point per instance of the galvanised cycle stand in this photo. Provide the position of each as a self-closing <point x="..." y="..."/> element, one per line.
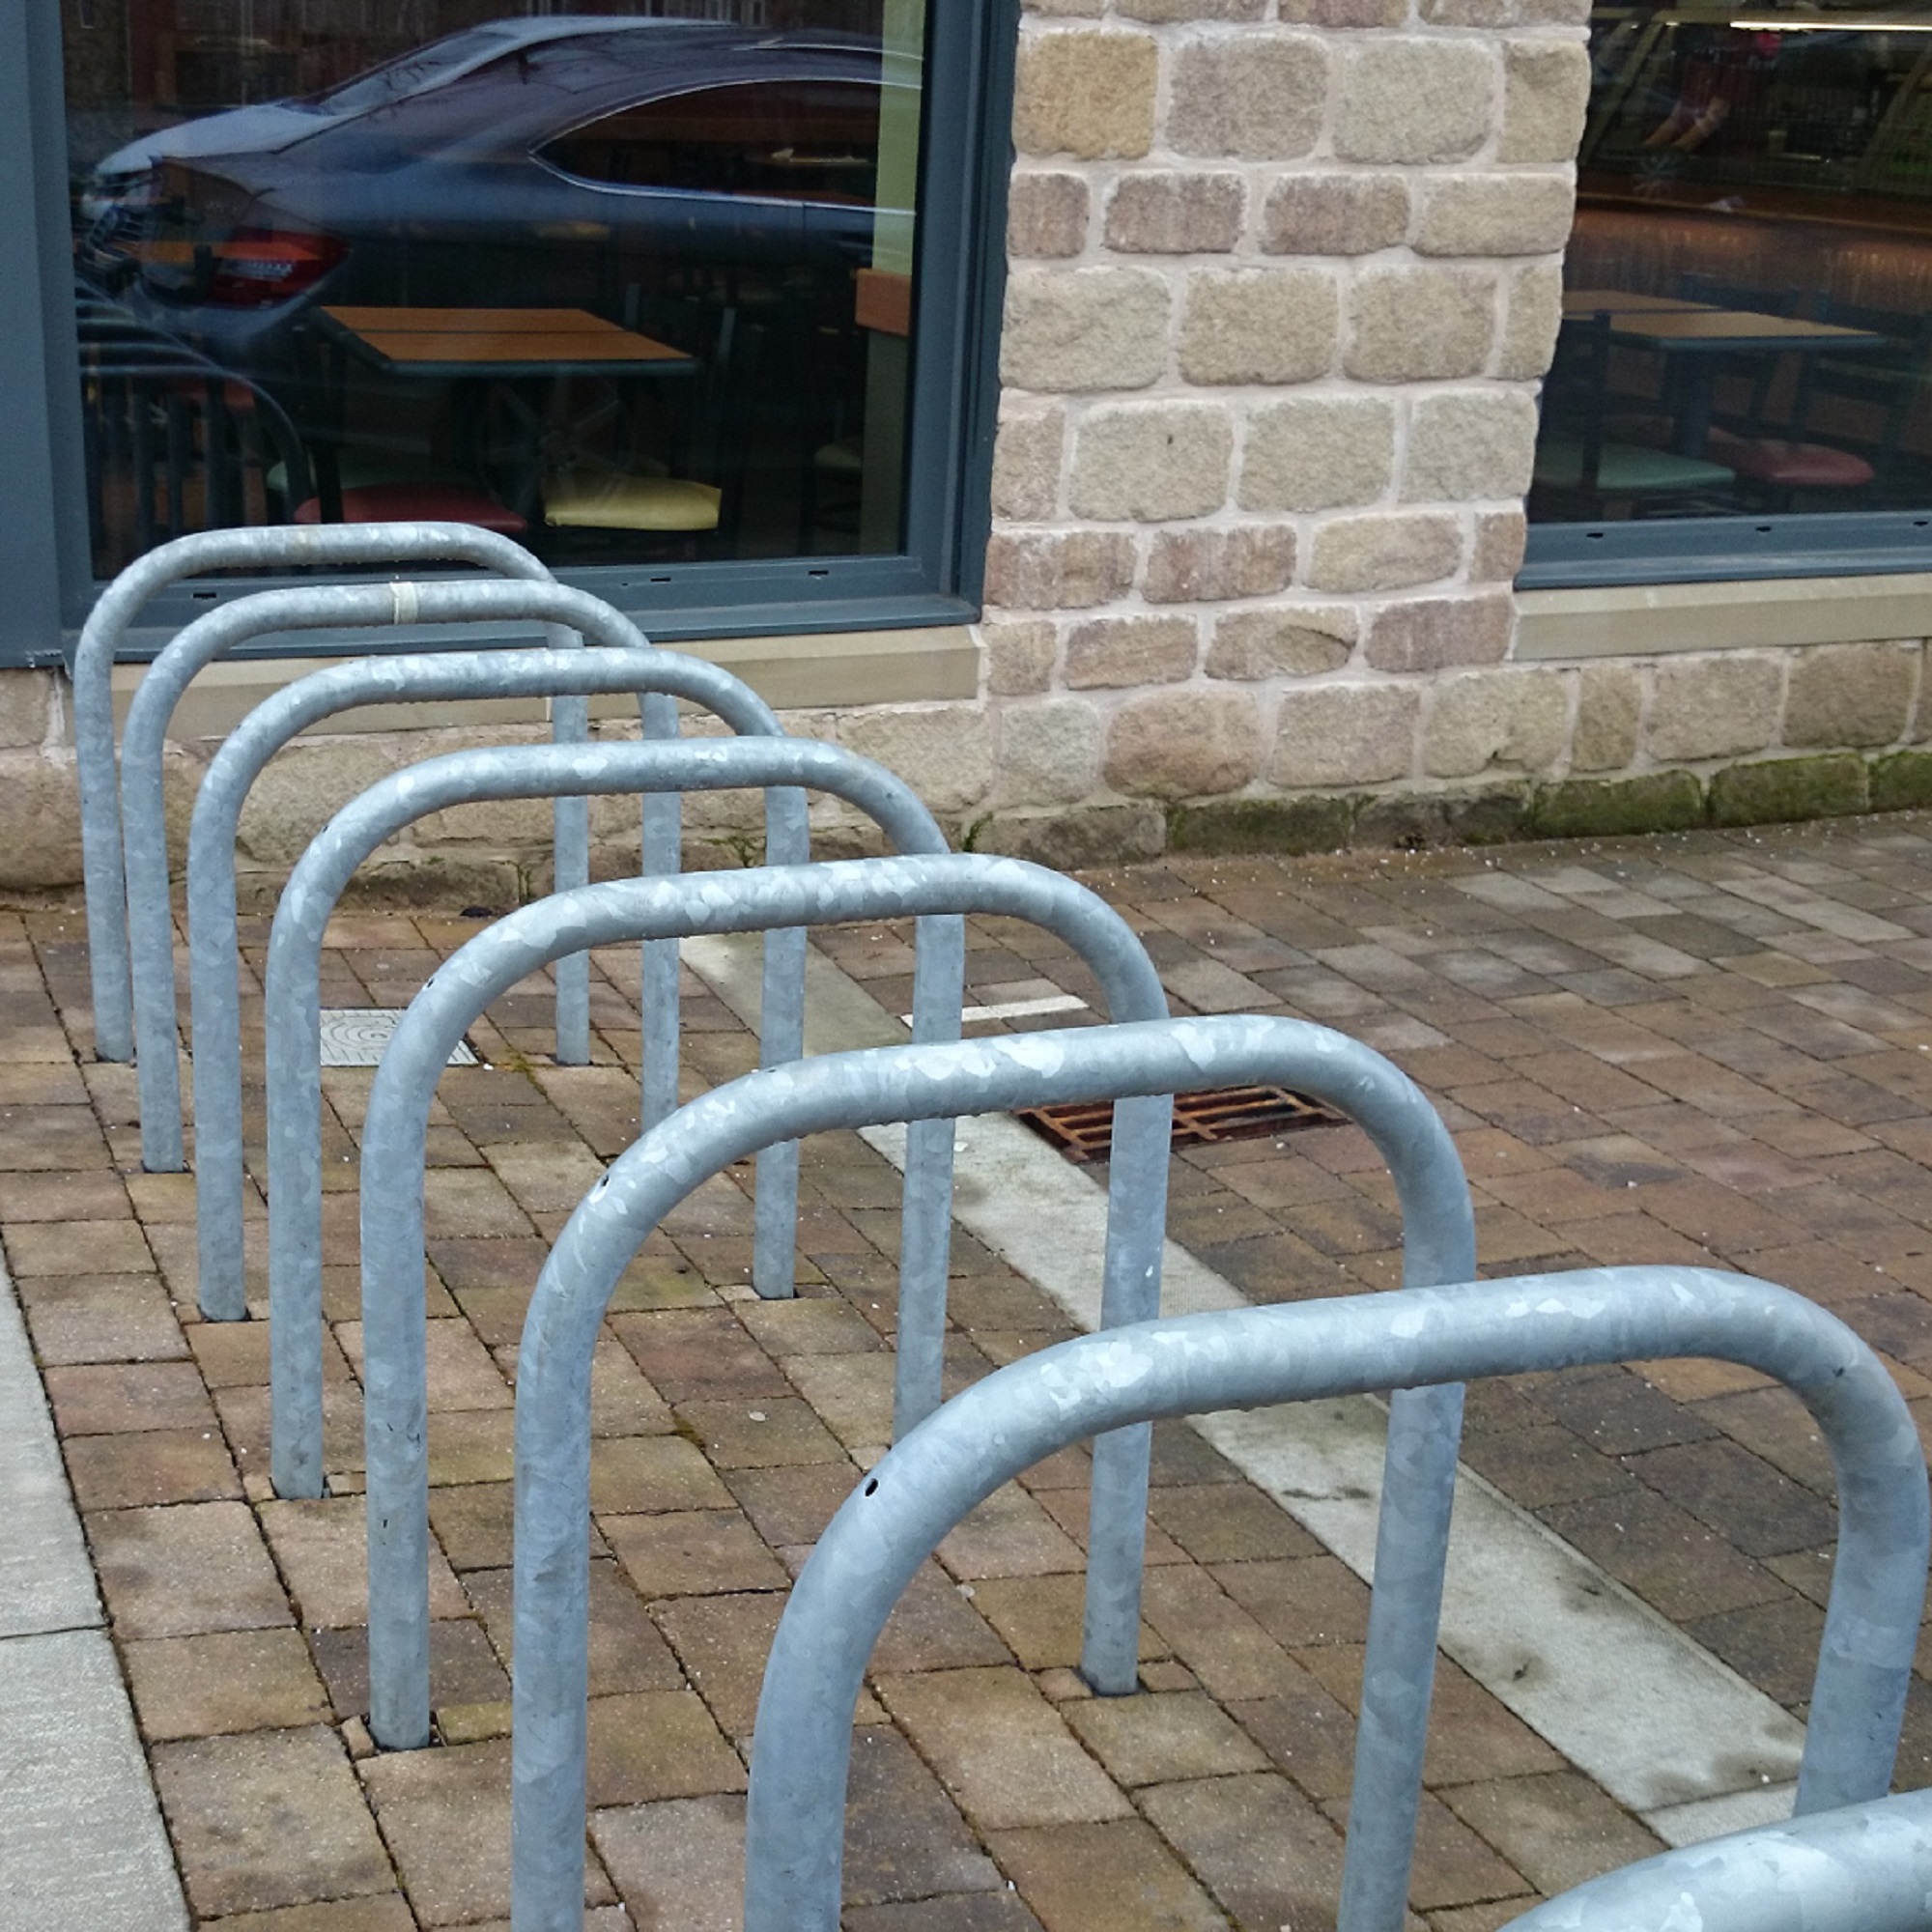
<point x="212" y="942"/>
<point x="855" y="1090"/>
<point x="1859" y="1868"/>
<point x="324" y="607"/>
<point x="1243" y="1359"/>
<point x="341" y="545"/>
<point x="396" y="1125"/>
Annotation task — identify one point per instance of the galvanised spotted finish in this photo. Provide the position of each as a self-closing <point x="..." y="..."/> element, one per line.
<point x="853" y="1090"/>
<point x="1860" y="1868"/>
<point x="397" y="1123"/>
<point x="144" y="829"/>
<point x="1243" y="1359"/>
<point x="344" y="546"/>
<point x="213" y="948"/>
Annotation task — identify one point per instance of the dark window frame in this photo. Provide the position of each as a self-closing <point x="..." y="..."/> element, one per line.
<point x="960" y="274"/>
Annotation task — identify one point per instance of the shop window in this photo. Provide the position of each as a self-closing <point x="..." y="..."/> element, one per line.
<point x="638" y="284"/>
<point x="1743" y="380"/>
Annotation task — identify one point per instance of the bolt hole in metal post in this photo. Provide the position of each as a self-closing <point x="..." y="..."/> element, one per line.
<point x="1127" y="1064"/>
<point x="347" y="545"/>
<point x="934" y="888"/>
<point x="623" y="664"/>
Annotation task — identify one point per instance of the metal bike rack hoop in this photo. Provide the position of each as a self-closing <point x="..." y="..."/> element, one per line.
<point x="854" y="1089"/>
<point x="214" y="947"/>
<point x="396" y="1126"/>
<point x="1305" y="1351"/>
<point x="283" y="548"/>
<point x="143" y="798"/>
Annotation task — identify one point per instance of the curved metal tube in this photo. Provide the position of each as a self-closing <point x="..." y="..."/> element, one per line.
<point x="1308" y="1351"/>
<point x="292" y="990"/>
<point x="113" y="614"/>
<point x="212" y="944"/>
<point x="144" y="830"/>
<point x="1860" y="1868"/>
<point x="853" y="1090"/>
<point x="392" y="1162"/>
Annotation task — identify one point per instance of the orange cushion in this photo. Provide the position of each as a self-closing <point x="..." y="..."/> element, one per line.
<point x="1790" y="465"/>
<point x="419" y="503"/>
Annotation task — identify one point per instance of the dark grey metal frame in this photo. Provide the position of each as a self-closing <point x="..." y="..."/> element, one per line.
<point x="969" y="52"/>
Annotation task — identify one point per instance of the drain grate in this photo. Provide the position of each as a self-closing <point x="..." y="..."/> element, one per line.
<point x="1084" y="1130"/>
<point x="355" y="1036"/>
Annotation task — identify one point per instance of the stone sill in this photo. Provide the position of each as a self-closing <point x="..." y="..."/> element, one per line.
<point x="1656" y="619"/>
<point x="832" y="670"/>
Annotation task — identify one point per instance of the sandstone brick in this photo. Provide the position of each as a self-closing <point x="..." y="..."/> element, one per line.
<point x="1608" y="700"/>
<point x="1117" y="653"/>
<point x="1085" y="93"/>
<point x="1514" y="719"/>
<point x="1258" y="96"/>
<point x="1175" y="214"/>
<point x="1851" y="694"/>
<point x="1469" y="445"/>
<point x="1434" y="632"/>
<point x="1019" y="656"/>
<point x="1151" y="460"/>
<point x="1344" y="13"/>
<point x="1420" y="324"/>
<point x="1713" y="707"/>
<point x="1546" y="91"/>
<point x="1027" y="465"/>
<point x="1335" y="214"/>
<point x="1388" y="552"/>
<point x="1496" y="214"/>
<point x="1497" y="555"/>
<point x="1345" y="734"/>
<point x="1492" y="14"/>
<point x="1184" y="744"/>
<point x="1258" y="325"/>
<point x="1414" y="101"/>
<point x="1210" y="566"/>
<point x="1046" y="215"/>
<point x="1532" y="315"/>
<point x="1287" y="640"/>
<point x="44" y="820"/>
<point x="27" y="701"/>
<point x="1318" y="453"/>
<point x="1094" y="328"/>
<point x="1049" y="753"/>
<point x="1165" y="12"/>
<point x="1057" y="570"/>
<point x="945" y="751"/>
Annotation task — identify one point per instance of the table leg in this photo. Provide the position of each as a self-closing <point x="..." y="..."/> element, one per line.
<point x="1696" y="393"/>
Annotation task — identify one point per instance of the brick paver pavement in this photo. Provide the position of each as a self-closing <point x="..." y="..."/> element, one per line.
<point x="1713" y="1047"/>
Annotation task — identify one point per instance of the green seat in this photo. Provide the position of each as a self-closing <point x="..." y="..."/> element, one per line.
<point x="1624" y="469"/>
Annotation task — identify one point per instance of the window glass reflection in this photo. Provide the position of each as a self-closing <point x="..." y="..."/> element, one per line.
<point x="632" y="286"/>
<point x="1747" y="295"/>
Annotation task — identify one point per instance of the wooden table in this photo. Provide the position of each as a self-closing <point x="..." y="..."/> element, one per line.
<point x="518" y="347"/>
<point x="1698" y="337"/>
<point x="1586" y="302"/>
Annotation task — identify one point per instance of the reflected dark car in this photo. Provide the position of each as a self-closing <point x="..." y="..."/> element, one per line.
<point x="630" y="166"/>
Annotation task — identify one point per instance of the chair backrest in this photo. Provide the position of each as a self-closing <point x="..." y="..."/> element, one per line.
<point x="1888" y="380"/>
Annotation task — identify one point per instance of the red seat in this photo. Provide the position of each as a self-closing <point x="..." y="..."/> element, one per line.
<point x="419" y="503"/>
<point x="1789" y="466"/>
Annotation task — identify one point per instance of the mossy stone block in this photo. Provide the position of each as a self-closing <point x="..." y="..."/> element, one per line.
<point x="1770" y="791"/>
<point x="1901" y="781"/>
<point x="1607" y="808"/>
<point x="1289" y="826"/>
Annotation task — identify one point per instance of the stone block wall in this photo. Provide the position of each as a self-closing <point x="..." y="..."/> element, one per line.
<point x="1283" y="278"/>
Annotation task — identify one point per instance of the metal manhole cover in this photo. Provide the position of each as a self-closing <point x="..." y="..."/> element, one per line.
<point x="355" y="1036"/>
<point x="1084" y="1130"/>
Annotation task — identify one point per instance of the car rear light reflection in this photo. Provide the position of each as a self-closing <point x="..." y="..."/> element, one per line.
<point x="260" y="268"/>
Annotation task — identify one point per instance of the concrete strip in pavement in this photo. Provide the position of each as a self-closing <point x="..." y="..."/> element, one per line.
<point x="1641" y="1707"/>
<point x="82" y="1848"/>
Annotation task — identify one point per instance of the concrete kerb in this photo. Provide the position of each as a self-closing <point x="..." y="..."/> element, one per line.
<point x="143" y="800"/>
<point x="932" y="888"/>
<point x="1307" y="1352"/>
<point x="107" y="625"/>
<point x="913" y="1083"/>
<point x="213" y="949"/>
